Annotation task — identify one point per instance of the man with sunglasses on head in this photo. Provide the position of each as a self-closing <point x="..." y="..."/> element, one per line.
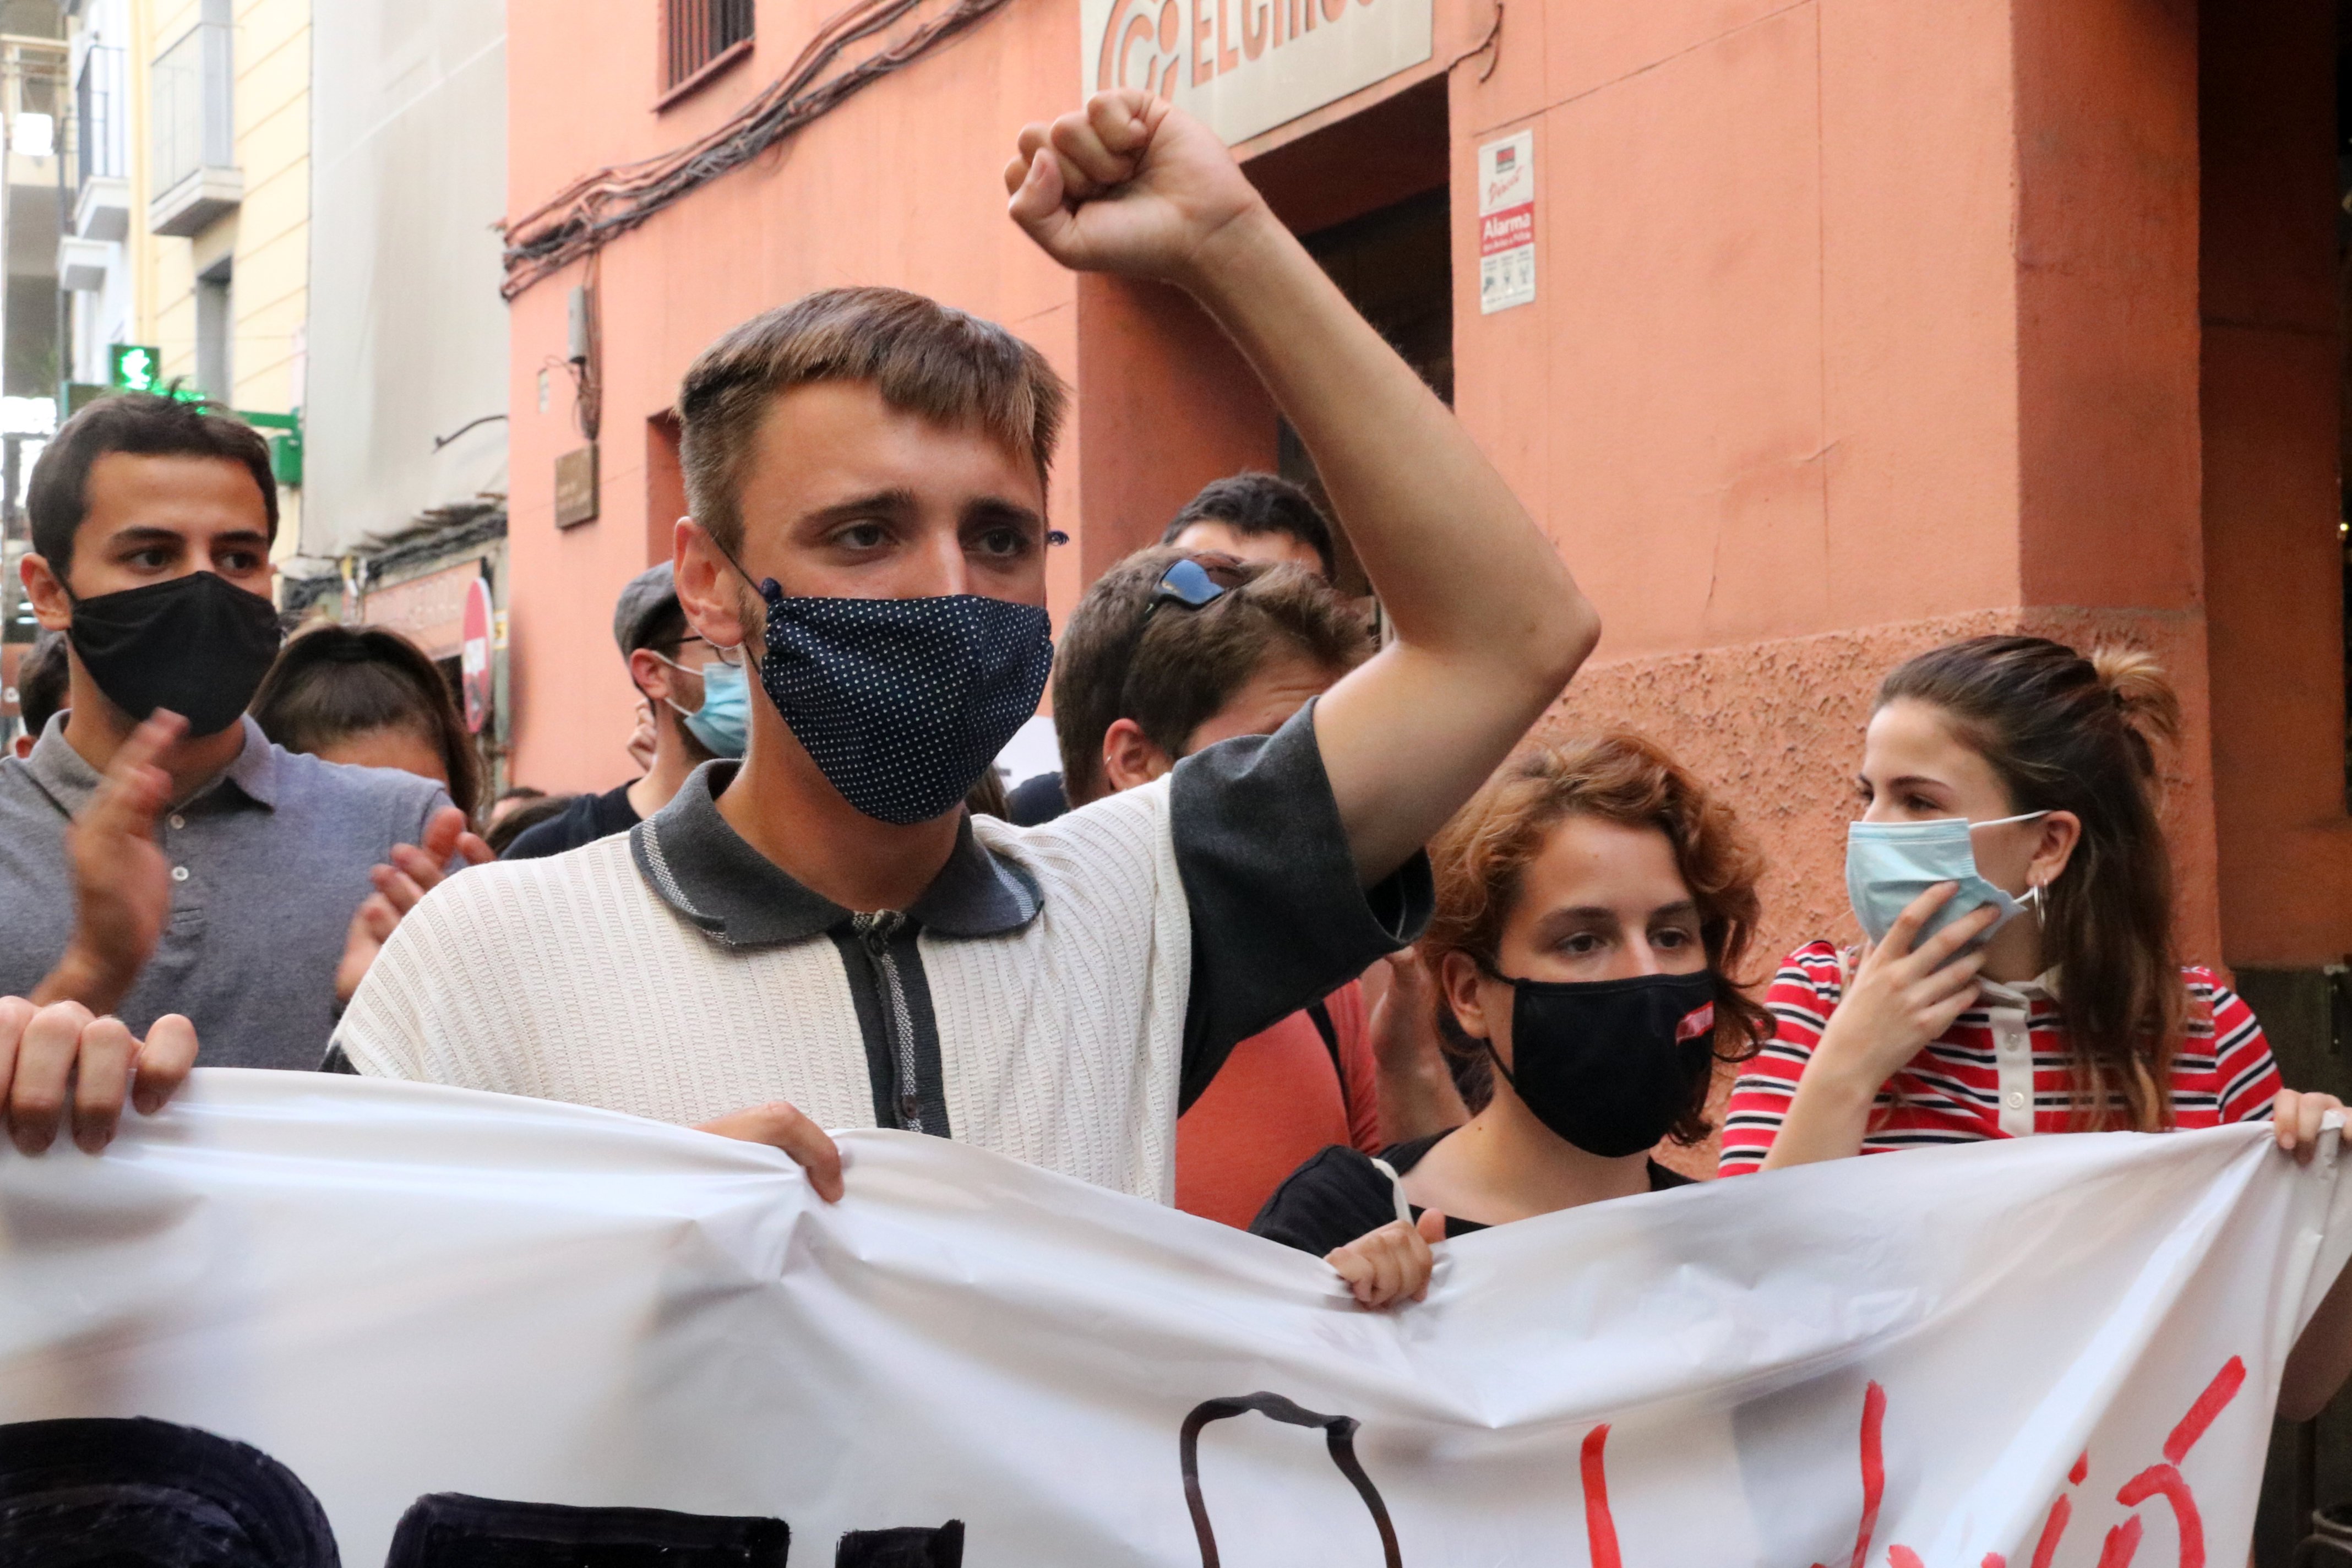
<point x="700" y="704"/>
<point x="821" y="936"/>
<point x="1171" y="652"/>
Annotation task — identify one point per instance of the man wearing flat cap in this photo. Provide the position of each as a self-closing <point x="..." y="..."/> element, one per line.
<point x="698" y="699"/>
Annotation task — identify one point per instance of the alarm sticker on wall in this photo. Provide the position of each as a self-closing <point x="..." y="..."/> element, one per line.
<point x="1506" y="223"/>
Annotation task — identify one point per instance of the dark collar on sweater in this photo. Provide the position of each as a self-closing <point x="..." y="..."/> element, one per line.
<point x="704" y="870"/>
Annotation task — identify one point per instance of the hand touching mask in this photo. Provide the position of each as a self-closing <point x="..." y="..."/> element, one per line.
<point x="1889" y="863"/>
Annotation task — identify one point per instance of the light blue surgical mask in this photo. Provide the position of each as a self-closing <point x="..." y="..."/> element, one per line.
<point x="1889" y="863"/>
<point x="723" y="723"/>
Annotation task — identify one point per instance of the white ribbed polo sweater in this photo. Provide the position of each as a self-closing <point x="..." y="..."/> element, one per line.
<point x="569" y="978"/>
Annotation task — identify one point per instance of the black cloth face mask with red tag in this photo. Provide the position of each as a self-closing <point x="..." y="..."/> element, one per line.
<point x="1610" y="1065"/>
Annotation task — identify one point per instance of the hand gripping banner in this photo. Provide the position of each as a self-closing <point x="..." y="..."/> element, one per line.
<point x="302" y="1322"/>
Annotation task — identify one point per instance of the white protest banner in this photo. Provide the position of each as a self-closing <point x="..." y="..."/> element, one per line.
<point x="376" y="1323"/>
<point x="1248" y="65"/>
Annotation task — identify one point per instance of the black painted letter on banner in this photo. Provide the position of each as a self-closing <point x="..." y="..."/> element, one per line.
<point x="940" y="1548"/>
<point x="450" y="1530"/>
<point x="147" y="1494"/>
<point x="1338" y="1436"/>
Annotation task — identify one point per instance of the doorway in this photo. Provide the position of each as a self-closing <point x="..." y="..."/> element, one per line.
<point x="1369" y="196"/>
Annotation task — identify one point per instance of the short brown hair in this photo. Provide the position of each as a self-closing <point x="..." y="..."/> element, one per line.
<point x="1254" y="505"/>
<point x="1187" y="663"/>
<point x="922" y="357"/>
<point x="140" y="424"/>
<point x="1481" y="857"/>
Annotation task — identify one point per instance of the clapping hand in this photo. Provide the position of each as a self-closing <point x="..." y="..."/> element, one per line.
<point x="122" y="877"/>
<point x="416" y="870"/>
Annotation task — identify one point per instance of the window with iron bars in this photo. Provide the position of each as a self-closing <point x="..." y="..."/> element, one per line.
<point x="696" y="32"/>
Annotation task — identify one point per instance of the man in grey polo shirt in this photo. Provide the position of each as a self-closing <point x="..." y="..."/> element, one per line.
<point x="166" y="873"/>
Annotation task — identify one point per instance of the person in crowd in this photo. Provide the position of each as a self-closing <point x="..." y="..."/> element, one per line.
<point x="2022" y="975"/>
<point x="1248" y="517"/>
<point x="1170" y="652"/>
<point x="525" y="815"/>
<point x="822" y="936"/>
<point x="166" y="871"/>
<point x="1036" y="799"/>
<point x="1256" y="517"/>
<point x="369" y="697"/>
<point x="1595" y="906"/>
<point x="700" y="701"/>
<point x="40" y="690"/>
<point x="512" y="799"/>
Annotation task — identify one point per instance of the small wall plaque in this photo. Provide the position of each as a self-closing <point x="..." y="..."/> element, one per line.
<point x="575" y="488"/>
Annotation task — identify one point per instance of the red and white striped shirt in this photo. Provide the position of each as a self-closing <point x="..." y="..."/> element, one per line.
<point x="2002" y="1070"/>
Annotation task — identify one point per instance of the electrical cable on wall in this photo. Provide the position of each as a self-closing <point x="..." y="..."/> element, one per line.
<point x="579" y="219"/>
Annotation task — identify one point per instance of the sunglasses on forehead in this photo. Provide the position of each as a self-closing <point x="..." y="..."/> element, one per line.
<point x="1194" y="582"/>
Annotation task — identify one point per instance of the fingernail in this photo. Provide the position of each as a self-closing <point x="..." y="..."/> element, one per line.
<point x="28" y="1144"/>
<point x="147" y="1101"/>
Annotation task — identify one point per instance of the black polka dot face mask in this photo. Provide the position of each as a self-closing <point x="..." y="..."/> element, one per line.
<point x="904" y="704"/>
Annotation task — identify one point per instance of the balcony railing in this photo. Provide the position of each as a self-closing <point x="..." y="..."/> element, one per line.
<point x="99" y="103"/>
<point x="192" y="105"/>
<point x="196" y="178"/>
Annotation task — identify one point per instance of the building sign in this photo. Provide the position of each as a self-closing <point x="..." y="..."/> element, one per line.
<point x="430" y="610"/>
<point x="134" y="367"/>
<point x="1246" y="66"/>
<point x="474" y="653"/>
<point x="575" y="488"/>
<point x="1506" y="223"/>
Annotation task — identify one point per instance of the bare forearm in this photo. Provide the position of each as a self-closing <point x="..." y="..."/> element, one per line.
<point x="1828" y="1118"/>
<point x="1489" y="625"/>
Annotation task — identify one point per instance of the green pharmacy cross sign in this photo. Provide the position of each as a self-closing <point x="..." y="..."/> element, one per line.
<point x="134" y="367"/>
<point x="139" y="367"/>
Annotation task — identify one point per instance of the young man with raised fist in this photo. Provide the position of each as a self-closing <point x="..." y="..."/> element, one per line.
<point x="820" y="936"/>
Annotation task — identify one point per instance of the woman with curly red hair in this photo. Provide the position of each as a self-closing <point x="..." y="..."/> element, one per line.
<point x="1594" y="908"/>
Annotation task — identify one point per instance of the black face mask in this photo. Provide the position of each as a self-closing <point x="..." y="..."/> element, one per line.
<point x="197" y="645"/>
<point x="1610" y="1065"/>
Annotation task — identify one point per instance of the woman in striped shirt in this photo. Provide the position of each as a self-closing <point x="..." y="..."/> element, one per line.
<point x="2074" y="1014"/>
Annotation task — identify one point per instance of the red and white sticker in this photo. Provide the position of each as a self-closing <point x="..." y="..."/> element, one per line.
<point x="1506" y="223"/>
<point x="1696" y="1022"/>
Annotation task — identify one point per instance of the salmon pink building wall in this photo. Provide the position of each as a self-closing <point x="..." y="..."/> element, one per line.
<point x="1860" y="325"/>
<point x="901" y="186"/>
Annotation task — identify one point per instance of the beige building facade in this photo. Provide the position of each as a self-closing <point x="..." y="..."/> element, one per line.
<point x="190" y="227"/>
